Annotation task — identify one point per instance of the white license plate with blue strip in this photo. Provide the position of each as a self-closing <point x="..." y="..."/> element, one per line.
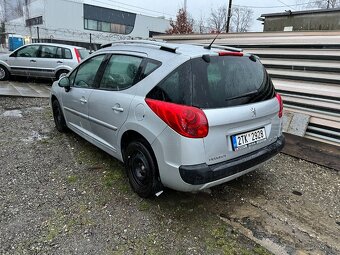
<point x="242" y="141"/>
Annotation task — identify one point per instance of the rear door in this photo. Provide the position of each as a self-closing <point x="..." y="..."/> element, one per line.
<point x="23" y="61"/>
<point x="238" y="99"/>
<point x="48" y="61"/>
<point x="109" y="105"/>
<point x="76" y="101"/>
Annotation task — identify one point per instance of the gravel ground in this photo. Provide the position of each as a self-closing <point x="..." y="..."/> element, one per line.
<point x="61" y="195"/>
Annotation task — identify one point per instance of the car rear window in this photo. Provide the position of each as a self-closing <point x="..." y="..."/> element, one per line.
<point x="221" y="82"/>
<point x="83" y="53"/>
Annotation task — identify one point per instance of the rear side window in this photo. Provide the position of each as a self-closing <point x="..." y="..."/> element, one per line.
<point x="175" y="88"/>
<point x="68" y="54"/>
<point x="151" y="65"/>
<point x="224" y="81"/>
<point x="83" y="53"/>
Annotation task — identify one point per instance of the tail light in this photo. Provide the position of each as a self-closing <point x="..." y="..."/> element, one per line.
<point x="77" y="55"/>
<point x="231" y="53"/>
<point x="279" y="98"/>
<point x="186" y="120"/>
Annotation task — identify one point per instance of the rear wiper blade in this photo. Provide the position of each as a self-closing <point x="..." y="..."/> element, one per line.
<point x="243" y="95"/>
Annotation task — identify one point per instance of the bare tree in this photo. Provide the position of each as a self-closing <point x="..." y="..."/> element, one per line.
<point x="18" y="8"/>
<point x="241" y="19"/>
<point x="320" y="4"/>
<point x="183" y="24"/>
<point x="3" y="7"/>
<point x="218" y="19"/>
<point x="201" y="25"/>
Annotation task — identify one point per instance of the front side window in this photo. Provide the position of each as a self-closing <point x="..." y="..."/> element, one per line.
<point x="28" y="52"/>
<point x="87" y="72"/>
<point x="121" y="72"/>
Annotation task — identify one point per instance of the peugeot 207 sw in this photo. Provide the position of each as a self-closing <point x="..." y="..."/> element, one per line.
<point x="185" y="117"/>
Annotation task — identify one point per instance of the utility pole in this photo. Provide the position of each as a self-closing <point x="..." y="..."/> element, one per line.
<point x="229" y="16"/>
<point x="38" y="35"/>
<point x="185" y="5"/>
<point x="328" y="3"/>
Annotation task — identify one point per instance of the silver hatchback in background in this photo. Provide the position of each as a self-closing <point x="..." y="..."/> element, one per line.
<point x="43" y="60"/>
<point x="180" y="116"/>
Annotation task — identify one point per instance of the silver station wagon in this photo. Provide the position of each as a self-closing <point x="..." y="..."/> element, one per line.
<point x="185" y="117"/>
<point x="44" y="60"/>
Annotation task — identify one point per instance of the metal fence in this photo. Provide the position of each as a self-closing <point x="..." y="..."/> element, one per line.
<point x="305" y="68"/>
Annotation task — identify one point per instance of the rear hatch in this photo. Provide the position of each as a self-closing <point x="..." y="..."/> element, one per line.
<point x="238" y="99"/>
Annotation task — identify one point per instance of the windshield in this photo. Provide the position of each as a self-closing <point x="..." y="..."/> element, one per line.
<point x="221" y="82"/>
<point x="229" y="81"/>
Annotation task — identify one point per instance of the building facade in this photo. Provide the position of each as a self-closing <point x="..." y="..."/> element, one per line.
<point x="311" y="20"/>
<point x="82" y="23"/>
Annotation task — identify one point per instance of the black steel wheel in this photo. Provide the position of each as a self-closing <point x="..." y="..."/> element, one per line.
<point x="58" y="116"/>
<point x="141" y="169"/>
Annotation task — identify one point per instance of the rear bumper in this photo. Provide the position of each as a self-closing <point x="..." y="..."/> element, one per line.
<point x="202" y="174"/>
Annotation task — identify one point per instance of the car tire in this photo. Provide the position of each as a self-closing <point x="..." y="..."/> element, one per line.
<point x="58" y="117"/>
<point x="61" y="73"/>
<point x="141" y="168"/>
<point x="4" y="74"/>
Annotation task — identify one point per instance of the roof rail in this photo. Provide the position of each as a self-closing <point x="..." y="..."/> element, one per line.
<point x="163" y="46"/>
<point x="223" y="47"/>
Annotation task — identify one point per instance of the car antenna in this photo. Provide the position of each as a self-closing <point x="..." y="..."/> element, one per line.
<point x="210" y="45"/>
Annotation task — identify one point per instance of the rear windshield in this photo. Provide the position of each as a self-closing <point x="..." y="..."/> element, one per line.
<point x="222" y="82"/>
<point x="83" y="53"/>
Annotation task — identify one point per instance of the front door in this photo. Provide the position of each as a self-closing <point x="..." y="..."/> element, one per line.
<point x="24" y="61"/>
<point x="76" y="100"/>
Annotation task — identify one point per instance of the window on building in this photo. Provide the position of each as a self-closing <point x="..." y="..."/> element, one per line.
<point x="106" y="27"/>
<point x="34" y="21"/>
<point x="91" y="24"/>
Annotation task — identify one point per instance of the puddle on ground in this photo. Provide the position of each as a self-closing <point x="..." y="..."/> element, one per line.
<point x="12" y="113"/>
<point x="34" y="109"/>
<point x="35" y="136"/>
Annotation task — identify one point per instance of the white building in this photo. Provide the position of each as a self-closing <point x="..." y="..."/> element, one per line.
<point x="81" y="22"/>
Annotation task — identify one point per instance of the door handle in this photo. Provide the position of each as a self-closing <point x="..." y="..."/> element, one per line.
<point x="33" y="61"/>
<point x="83" y="100"/>
<point x="59" y="62"/>
<point x="117" y="109"/>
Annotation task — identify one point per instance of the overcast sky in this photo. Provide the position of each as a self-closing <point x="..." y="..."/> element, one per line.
<point x="201" y="7"/>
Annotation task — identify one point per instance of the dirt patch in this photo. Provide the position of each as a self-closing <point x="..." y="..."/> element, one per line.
<point x="61" y="195"/>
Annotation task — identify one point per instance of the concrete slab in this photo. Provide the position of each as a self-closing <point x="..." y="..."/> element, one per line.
<point x="24" y="89"/>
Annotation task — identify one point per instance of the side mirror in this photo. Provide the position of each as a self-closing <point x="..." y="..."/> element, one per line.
<point x="64" y="82"/>
<point x="13" y="55"/>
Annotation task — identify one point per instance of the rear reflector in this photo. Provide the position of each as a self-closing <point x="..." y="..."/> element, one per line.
<point x="279" y="99"/>
<point x="230" y="53"/>
<point x="186" y="120"/>
<point x="77" y="55"/>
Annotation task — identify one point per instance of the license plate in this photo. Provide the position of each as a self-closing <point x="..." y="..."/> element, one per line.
<point x="241" y="141"/>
